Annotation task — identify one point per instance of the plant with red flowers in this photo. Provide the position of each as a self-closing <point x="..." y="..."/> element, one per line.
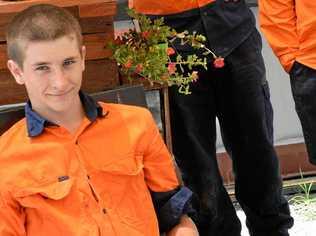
<point x="146" y="52"/>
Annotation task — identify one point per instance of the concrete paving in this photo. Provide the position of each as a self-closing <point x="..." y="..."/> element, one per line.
<point x="302" y="226"/>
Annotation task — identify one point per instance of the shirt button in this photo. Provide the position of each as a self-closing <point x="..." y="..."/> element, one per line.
<point x="104" y="211"/>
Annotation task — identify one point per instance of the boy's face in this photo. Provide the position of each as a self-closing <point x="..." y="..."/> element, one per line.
<point x="51" y="73"/>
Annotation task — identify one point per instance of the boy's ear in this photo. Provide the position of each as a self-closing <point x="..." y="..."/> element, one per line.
<point x="83" y="55"/>
<point x="16" y="71"/>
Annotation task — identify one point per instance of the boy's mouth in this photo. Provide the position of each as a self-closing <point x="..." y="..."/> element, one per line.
<point x="60" y="94"/>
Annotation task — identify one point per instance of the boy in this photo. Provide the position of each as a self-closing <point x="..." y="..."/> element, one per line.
<point x="74" y="166"/>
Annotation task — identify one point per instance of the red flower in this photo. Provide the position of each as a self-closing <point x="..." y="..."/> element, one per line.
<point x="219" y="62"/>
<point x="170" y="51"/>
<point x="128" y="64"/>
<point x="172" y="68"/>
<point x="139" y="68"/>
<point x="145" y="34"/>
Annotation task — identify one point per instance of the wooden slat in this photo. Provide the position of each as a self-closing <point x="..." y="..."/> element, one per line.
<point x="17" y="6"/>
<point x="98" y="9"/>
<point x="89" y="25"/>
<point x="4" y="19"/>
<point x="3" y="56"/>
<point x="10" y="91"/>
<point x="97" y="24"/>
<point x="96" y="45"/>
<point x="98" y="76"/>
<point x="292" y="158"/>
<point x="166" y="118"/>
<point x="289" y="186"/>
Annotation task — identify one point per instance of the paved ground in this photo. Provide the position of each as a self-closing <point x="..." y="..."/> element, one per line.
<point x="302" y="227"/>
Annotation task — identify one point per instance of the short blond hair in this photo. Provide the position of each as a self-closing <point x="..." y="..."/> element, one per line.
<point x="43" y="22"/>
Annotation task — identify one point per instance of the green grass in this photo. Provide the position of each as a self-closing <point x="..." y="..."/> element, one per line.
<point x="304" y="202"/>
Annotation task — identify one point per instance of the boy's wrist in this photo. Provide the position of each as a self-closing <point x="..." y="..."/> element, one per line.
<point x="186" y="227"/>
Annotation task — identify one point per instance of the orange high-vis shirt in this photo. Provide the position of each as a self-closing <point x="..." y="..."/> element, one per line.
<point x="165" y="7"/>
<point x="290" y="28"/>
<point x="96" y="182"/>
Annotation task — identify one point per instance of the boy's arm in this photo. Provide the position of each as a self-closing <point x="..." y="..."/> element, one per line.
<point x="12" y="218"/>
<point x="186" y="227"/>
<point x="171" y="200"/>
<point x="278" y="23"/>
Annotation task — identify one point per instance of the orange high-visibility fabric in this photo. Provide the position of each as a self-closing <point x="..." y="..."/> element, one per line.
<point x="95" y="182"/>
<point x="164" y="7"/>
<point x="290" y="28"/>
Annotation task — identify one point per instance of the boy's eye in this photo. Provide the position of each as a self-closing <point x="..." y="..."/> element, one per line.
<point x="69" y="62"/>
<point x="42" y="68"/>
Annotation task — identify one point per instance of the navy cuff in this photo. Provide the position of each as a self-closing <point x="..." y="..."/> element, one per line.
<point x="170" y="206"/>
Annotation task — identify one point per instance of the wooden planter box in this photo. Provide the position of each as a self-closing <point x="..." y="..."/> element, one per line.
<point x="96" y="20"/>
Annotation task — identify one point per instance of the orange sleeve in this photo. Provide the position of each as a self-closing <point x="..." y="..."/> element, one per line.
<point x="159" y="166"/>
<point x="278" y="23"/>
<point x="12" y="218"/>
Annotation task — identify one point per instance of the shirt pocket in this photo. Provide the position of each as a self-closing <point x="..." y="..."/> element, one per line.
<point x="125" y="188"/>
<point x="35" y="195"/>
<point x="120" y="177"/>
<point x="55" y="207"/>
<point x="129" y="165"/>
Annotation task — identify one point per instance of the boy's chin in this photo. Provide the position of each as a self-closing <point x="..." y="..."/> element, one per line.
<point x="63" y="108"/>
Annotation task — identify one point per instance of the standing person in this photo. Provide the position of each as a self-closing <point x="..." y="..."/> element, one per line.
<point x="238" y="95"/>
<point x="73" y="166"/>
<point x="290" y="28"/>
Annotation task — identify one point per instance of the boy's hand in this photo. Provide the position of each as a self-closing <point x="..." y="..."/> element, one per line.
<point x="186" y="227"/>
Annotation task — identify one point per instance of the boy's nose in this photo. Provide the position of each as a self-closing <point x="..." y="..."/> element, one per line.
<point x="59" y="81"/>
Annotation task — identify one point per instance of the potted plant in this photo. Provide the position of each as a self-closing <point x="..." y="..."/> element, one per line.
<point x="145" y="52"/>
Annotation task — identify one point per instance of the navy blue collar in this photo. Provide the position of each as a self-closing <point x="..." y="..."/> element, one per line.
<point x="36" y="124"/>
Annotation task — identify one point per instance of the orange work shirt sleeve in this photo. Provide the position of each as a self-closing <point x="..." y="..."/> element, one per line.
<point x="159" y="167"/>
<point x="278" y="23"/>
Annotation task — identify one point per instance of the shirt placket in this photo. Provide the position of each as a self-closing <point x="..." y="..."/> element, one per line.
<point x="94" y="204"/>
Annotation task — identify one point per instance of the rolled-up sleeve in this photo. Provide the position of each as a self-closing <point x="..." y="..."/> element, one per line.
<point x="170" y="206"/>
<point x="171" y="200"/>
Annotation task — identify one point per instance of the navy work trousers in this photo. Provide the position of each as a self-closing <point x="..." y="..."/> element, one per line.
<point x="238" y="95"/>
<point x="303" y="83"/>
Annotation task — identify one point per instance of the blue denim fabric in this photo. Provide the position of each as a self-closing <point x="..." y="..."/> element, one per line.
<point x="170" y="206"/>
<point x="238" y="95"/>
<point x="303" y="84"/>
<point x="36" y="123"/>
